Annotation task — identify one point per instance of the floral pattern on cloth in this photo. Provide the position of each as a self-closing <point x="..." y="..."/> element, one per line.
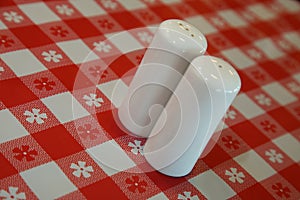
<point x="12" y="194"/>
<point x="80" y="169"/>
<point x="136" y="185"/>
<point x="35" y="116"/>
<point x="25" y="153"/>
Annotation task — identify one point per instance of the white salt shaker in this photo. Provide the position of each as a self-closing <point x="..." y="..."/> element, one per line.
<point x="192" y="114"/>
<point x="175" y="44"/>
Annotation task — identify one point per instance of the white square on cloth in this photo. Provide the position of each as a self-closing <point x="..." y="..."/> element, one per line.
<point x="249" y="111"/>
<point x="11" y="128"/>
<point x="279" y="93"/>
<point x="115" y="91"/>
<point x="39" y="13"/>
<point x="110" y="157"/>
<point x="48" y="181"/>
<point x="88" y="8"/>
<point x="77" y="51"/>
<point x="202" y="24"/>
<point x="232" y="18"/>
<point x="255" y="165"/>
<point x="212" y="186"/>
<point x="238" y="58"/>
<point x="22" y="62"/>
<point x="268" y="47"/>
<point x="65" y="107"/>
<point x="289" y="145"/>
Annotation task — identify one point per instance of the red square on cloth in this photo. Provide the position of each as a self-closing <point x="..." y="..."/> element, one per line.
<point x="164" y="12"/>
<point x="216" y="156"/>
<point x="289" y="174"/>
<point x="14" y="92"/>
<point x="8" y="3"/>
<point x="255" y="192"/>
<point x="71" y="77"/>
<point x="83" y="27"/>
<point x="109" y="121"/>
<point x="248" y="83"/>
<point x="250" y="134"/>
<point x="124" y="17"/>
<point x="204" y="8"/>
<point x="104" y="189"/>
<point x="6" y="168"/>
<point x="285" y="119"/>
<point x="57" y="142"/>
<point x="236" y="37"/>
<point x="9" y="42"/>
<point x="164" y="182"/>
<point x="116" y="64"/>
<point x="25" y="34"/>
<point x="275" y="70"/>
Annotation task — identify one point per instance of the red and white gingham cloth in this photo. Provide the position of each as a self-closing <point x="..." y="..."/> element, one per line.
<point x="45" y="149"/>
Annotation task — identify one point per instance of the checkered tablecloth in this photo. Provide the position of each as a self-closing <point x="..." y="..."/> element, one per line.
<point x="55" y="113"/>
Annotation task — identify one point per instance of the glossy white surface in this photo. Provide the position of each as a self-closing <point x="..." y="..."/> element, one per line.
<point x="175" y="44"/>
<point x="181" y="38"/>
<point x="192" y="114"/>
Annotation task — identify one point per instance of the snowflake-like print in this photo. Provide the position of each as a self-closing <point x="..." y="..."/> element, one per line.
<point x="229" y="142"/>
<point x="52" y="56"/>
<point x="136" y="185"/>
<point x="106" y="24"/>
<point x="263" y="100"/>
<point x="109" y="4"/>
<point x="235" y="176"/>
<point x="187" y="196"/>
<point x="12" y="16"/>
<point x="92" y="99"/>
<point x="145" y="37"/>
<point x="64" y="10"/>
<point x="102" y="46"/>
<point x="35" y="116"/>
<point x="253" y="53"/>
<point x="86" y="131"/>
<point x="12" y="194"/>
<point x="274" y="156"/>
<point x="59" y="31"/>
<point x="81" y="169"/>
<point x="24" y="152"/>
<point x="136" y="147"/>
<point x="231" y="114"/>
<point x="281" y="190"/>
<point x="44" y="82"/>
<point x="294" y="87"/>
<point x="268" y="126"/>
<point x="6" y="41"/>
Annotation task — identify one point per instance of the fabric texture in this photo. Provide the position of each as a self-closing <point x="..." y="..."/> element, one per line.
<point x="63" y="73"/>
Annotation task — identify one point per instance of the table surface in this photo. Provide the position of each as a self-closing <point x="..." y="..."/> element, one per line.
<point x="57" y="109"/>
